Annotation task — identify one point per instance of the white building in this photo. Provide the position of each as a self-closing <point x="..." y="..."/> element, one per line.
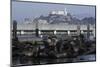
<point x="60" y="12"/>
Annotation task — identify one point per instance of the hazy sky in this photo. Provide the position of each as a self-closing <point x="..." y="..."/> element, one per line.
<point x="22" y="10"/>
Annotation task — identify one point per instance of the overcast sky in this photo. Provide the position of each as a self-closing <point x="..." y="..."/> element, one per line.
<point x="22" y="10"/>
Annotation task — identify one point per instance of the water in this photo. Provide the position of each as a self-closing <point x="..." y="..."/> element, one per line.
<point x="28" y="38"/>
<point x="37" y="61"/>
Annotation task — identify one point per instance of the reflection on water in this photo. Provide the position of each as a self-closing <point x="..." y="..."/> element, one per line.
<point x="36" y="61"/>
